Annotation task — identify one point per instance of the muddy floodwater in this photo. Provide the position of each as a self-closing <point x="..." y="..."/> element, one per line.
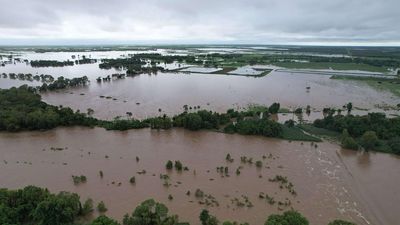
<point x="330" y="182"/>
<point x="145" y="95"/>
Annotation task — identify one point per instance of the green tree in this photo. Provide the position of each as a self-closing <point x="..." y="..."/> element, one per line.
<point x="60" y="209"/>
<point x="207" y="219"/>
<point x="349" y="107"/>
<point x="369" y="140"/>
<point x="288" y="218"/>
<point x="274" y="108"/>
<point x="104" y="220"/>
<point x="87" y="207"/>
<point x="169" y="165"/>
<point x="101" y="207"/>
<point x="193" y="121"/>
<point x="347" y="141"/>
<point x="178" y="165"/>
<point x="150" y="212"/>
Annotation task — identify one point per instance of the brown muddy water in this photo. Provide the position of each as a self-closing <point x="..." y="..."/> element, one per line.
<point x="145" y="95"/>
<point x="330" y="182"/>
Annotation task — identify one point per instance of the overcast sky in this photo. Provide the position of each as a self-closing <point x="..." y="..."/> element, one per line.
<point x="373" y="22"/>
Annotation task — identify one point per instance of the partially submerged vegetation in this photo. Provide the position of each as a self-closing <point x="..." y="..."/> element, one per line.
<point x="51" y="63"/>
<point x="34" y="205"/>
<point x="391" y="84"/>
<point x="371" y="132"/>
<point x="22" y="109"/>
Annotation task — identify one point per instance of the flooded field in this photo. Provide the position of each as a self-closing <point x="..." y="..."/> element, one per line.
<point x="330" y="183"/>
<point x="144" y="95"/>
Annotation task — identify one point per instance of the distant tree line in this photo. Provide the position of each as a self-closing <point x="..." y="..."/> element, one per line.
<point x="29" y="77"/>
<point x="51" y="63"/>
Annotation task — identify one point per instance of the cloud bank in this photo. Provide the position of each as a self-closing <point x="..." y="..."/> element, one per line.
<point x="201" y="21"/>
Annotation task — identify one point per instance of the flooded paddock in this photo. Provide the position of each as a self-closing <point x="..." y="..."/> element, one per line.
<point x="145" y="95"/>
<point x="330" y="182"/>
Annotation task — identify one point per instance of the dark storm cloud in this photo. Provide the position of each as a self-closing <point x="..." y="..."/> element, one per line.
<point x="233" y="21"/>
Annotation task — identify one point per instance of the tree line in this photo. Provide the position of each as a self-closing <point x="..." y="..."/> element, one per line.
<point x="22" y="109"/>
<point x="373" y="131"/>
<point x="51" y="63"/>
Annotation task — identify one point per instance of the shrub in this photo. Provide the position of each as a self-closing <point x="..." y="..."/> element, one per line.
<point x="101" y="207"/>
<point x="369" y="140"/>
<point x="169" y="165"/>
<point x="341" y="222"/>
<point x="87" y="207"/>
<point x="288" y="218"/>
<point x="178" y="165"/>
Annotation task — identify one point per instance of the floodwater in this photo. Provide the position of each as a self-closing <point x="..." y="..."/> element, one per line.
<point x="330" y="182"/>
<point x="144" y="95"/>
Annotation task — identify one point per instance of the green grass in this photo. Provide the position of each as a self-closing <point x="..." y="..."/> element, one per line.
<point x="328" y="65"/>
<point x="297" y="134"/>
<point x="284" y="110"/>
<point x="380" y="84"/>
<point x="321" y="132"/>
<point x="257" y="108"/>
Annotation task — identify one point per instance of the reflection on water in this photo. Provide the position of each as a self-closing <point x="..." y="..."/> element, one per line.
<point x="321" y="176"/>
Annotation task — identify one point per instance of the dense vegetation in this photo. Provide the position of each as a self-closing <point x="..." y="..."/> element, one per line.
<point x="34" y="205"/>
<point x="62" y="83"/>
<point x="372" y="132"/>
<point x="51" y="63"/>
<point x="22" y="109"/>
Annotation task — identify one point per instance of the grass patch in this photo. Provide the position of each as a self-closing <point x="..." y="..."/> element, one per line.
<point x="330" y="65"/>
<point x="257" y="108"/>
<point x="225" y="70"/>
<point x="319" y="131"/>
<point x="284" y="110"/>
<point x="378" y="83"/>
<point x="297" y="134"/>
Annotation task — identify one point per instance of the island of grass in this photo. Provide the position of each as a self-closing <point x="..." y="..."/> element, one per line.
<point x="389" y="83"/>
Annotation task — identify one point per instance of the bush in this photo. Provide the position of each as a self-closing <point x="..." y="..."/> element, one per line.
<point x="101" y="207"/>
<point x="150" y="212"/>
<point x="369" y="140"/>
<point x="341" y="222"/>
<point x="104" y="220"/>
<point x="394" y="144"/>
<point x="178" y="165"/>
<point x="87" y="207"/>
<point x="169" y="165"/>
<point x="347" y="141"/>
<point x="288" y="218"/>
<point x="274" y="108"/>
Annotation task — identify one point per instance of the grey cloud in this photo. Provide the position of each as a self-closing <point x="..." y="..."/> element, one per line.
<point x="241" y="21"/>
